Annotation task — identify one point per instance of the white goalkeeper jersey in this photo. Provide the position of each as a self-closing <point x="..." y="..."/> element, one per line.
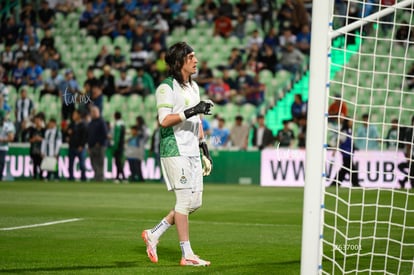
<point x="181" y="139"/>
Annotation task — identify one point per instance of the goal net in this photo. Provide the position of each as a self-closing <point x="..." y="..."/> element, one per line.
<point x="359" y="201"/>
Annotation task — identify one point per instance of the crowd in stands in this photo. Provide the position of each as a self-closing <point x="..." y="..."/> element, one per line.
<point x="146" y="26"/>
<point x="280" y="41"/>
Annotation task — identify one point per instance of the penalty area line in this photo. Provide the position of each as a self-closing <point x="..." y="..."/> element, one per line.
<point x="39" y="224"/>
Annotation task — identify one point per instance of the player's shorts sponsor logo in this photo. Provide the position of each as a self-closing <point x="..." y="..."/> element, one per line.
<point x="183" y="180"/>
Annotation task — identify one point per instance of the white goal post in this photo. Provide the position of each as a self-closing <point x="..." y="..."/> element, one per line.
<point x="317" y="146"/>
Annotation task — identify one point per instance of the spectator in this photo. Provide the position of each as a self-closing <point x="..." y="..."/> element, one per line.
<point x="49" y="62"/>
<point x="6" y="135"/>
<point x="219" y="91"/>
<point x="133" y="154"/>
<point x="226" y="9"/>
<point x="220" y="135"/>
<point x="286" y="14"/>
<point x="338" y="109"/>
<point x="102" y="59"/>
<point x="30" y="38"/>
<point x="204" y="75"/>
<point x="56" y="57"/>
<point x="409" y="155"/>
<point x="267" y="59"/>
<point x="52" y="84"/>
<point x="266" y="13"/>
<point x="99" y="6"/>
<point x="271" y="40"/>
<point x="28" y="13"/>
<point x="46" y="16"/>
<point x="17" y="78"/>
<point x="410" y="78"/>
<point x="118" y="147"/>
<point x="7" y="57"/>
<point x="388" y="20"/>
<point x="24" y="109"/>
<point x="36" y="133"/>
<point x="291" y="60"/>
<point x="206" y="125"/>
<point x="97" y="142"/>
<point x="78" y="137"/>
<point x="156" y="75"/>
<point x="87" y="15"/>
<point x="138" y="142"/>
<point x="287" y="37"/>
<point x="138" y="56"/>
<point x="404" y="35"/>
<point x="182" y="17"/>
<point x="240" y="28"/>
<point x="302" y="128"/>
<point x="68" y="90"/>
<point x="255" y="38"/>
<point x="298" y="108"/>
<point x="51" y="144"/>
<point x="392" y="139"/>
<point x="140" y="37"/>
<point x="244" y="83"/>
<point x="285" y="136"/>
<point x="143" y="84"/>
<point x="20" y="52"/>
<point x="109" y="24"/>
<point x="255" y="93"/>
<point x="366" y="135"/>
<point x="10" y="32"/>
<point x="303" y="39"/>
<point x="229" y="80"/>
<point x="239" y="134"/>
<point x="161" y="25"/>
<point x="108" y="82"/>
<point x="33" y="74"/>
<point x="118" y="59"/>
<point x="4" y="97"/>
<point x="241" y="8"/>
<point x="252" y="62"/>
<point x="235" y="60"/>
<point x="206" y="11"/>
<point x="347" y="149"/>
<point x="93" y="89"/>
<point x="123" y="85"/>
<point x="262" y="136"/>
<point x="223" y="26"/>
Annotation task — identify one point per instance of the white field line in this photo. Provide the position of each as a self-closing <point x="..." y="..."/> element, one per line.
<point x="39" y="224"/>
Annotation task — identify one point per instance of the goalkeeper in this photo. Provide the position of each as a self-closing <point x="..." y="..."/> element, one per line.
<point x="181" y="138"/>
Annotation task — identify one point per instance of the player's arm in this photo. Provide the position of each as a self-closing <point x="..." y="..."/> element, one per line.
<point x="165" y="101"/>
<point x="205" y="158"/>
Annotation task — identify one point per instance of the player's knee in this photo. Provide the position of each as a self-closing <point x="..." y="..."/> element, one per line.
<point x="183" y="201"/>
<point x="196" y="201"/>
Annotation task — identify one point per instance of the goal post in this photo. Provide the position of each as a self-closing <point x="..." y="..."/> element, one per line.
<point x="366" y="225"/>
<point x="315" y="139"/>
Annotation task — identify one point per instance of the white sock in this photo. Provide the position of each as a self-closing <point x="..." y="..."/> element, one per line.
<point x="160" y="228"/>
<point x="186" y="249"/>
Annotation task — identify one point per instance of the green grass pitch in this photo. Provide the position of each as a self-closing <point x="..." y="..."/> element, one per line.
<point x="240" y="229"/>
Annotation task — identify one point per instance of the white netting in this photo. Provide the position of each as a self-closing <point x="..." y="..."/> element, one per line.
<point x="369" y="208"/>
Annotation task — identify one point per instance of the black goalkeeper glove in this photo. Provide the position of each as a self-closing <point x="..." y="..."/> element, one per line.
<point x="203" y="107"/>
<point x="206" y="159"/>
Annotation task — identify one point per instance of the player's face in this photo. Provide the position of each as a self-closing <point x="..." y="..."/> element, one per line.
<point x="190" y="64"/>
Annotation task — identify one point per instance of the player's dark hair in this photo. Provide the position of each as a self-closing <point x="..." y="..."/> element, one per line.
<point x="117" y="115"/>
<point x="175" y="58"/>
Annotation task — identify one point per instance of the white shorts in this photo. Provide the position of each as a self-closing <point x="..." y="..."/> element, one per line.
<point x="182" y="172"/>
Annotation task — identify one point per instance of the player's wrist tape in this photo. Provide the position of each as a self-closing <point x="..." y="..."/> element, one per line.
<point x="182" y="116"/>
